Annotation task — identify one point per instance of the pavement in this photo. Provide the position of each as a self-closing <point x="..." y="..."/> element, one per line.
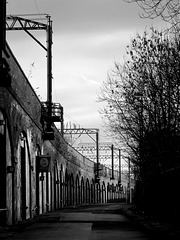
<point x="94" y="222"/>
<point x="166" y="227"/>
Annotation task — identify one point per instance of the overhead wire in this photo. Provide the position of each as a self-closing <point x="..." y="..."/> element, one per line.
<point x="37" y="8"/>
<point x="69" y="117"/>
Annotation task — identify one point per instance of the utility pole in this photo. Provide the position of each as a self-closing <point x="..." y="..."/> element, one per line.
<point x="49" y="66"/>
<point x="119" y="166"/>
<point x="5" y="78"/>
<point x="49" y="74"/>
<point x="97" y="155"/>
<point x="112" y="157"/>
<point x="51" y="112"/>
<point x="2" y="26"/>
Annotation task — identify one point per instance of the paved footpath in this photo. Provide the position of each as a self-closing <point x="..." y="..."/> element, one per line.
<point x="99" y="222"/>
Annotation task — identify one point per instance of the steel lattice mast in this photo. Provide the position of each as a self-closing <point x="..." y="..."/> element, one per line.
<point x="20" y="22"/>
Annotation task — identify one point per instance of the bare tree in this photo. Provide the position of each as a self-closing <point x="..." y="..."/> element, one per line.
<point x="143" y="101"/>
<point x="169" y="10"/>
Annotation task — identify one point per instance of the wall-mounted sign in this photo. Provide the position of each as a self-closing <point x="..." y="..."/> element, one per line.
<point x="43" y="163"/>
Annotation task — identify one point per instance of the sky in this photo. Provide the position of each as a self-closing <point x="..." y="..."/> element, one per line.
<point x="88" y="37"/>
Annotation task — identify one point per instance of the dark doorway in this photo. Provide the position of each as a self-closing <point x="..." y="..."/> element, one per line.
<point x="23" y="178"/>
<point x="2" y="176"/>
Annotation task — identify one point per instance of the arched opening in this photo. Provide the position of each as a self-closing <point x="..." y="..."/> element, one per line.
<point x="77" y="191"/>
<point x="98" y="193"/>
<point x="117" y="194"/>
<point x="87" y="191"/>
<point x="44" y="188"/>
<point x="103" y="193"/>
<point x="61" y="186"/>
<point x="66" y="189"/>
<point x="69" y="196"/>
<point x="2" y="170"/>
<point x="71" y="190"/>
<point x="82" y="191"/>
<point x="92" y="191"/>
<point x="112" y="192"/>
<point x="56" y="186"/>
<point x="108" y="193"/>
<point x="38" y="197"/>
<point x="24" y="179"/>
<point x="48" y="191"/>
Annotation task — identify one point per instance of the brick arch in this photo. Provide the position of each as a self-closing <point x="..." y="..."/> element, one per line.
<point x="77" y="190"/>
<point x="108" y="193"/>
<point x="113" y="192"/>
<point x="4" y="183"/>
<point x="82" y="191"/>
<point x="104" y="192"/>
<point x="65" y="188"/>
<point x="92" y="191"/>
<point x="88" y="192"/>
<point x="117" y="194"/>
<point x="36" y="208"/>
<point x="71" y="189"/>
<point x="61" y="182"/>
<point x="98" y="193"/>
<point x="24" y="179"/>
<point x="56" y="181"/>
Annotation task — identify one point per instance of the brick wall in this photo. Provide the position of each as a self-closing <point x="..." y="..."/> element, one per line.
<point x="28" y="192"/>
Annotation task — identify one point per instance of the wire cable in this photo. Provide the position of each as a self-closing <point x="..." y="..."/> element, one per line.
<point x="37" y="8"/>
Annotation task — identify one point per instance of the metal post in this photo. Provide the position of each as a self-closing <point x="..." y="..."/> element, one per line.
<point x="49" y="66"/>
<point x="119" y="166"/>
<point x="112" y="156"/>
<point x="62" y="121"/>
<point x="2" y="25"/>
<point x="97" y="152"/>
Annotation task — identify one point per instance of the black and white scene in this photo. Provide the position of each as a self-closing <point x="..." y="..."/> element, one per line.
<point x="89" y="119"/>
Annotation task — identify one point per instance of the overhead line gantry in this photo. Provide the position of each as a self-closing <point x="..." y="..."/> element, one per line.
<point x="89" y="132"/>
<point x="50" y="112"/>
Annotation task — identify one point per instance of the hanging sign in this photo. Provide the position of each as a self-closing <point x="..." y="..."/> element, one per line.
<point x="43" y="163"/>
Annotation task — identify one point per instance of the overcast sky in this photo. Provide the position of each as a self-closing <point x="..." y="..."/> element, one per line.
<point x="88" y="36"/>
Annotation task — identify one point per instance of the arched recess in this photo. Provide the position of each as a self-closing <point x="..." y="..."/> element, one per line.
<point x="103" y="192"/>
<point x="56" y="185"/>
<point x="98" y="193"/>
<point x="48" y="190"/>
<point x="6" y="173"/>
<point x="23" y="179"/>
<point x="66" y="188"/>
<point x="61" y="186"/>
<point x="93" y="191"/>
<point x="82" y="191"/>
<point x="77" y="191"/>
<point x="117" y="194"/>
<point x="71" y="190"/>
<point x="108" y="193"/>
<point x="113" y="192"/>
<point x="88" y="193"/>
<point x="38" y="195"/>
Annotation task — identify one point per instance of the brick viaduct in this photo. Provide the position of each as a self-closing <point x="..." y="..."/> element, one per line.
<point x="25" y="191"/>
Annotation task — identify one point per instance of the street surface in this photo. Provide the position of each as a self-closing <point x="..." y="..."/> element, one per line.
<point x="103" y="222"/>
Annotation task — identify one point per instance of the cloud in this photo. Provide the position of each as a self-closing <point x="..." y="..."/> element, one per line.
<point x="87" y="36"/>
<point x="89" y="81"/>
